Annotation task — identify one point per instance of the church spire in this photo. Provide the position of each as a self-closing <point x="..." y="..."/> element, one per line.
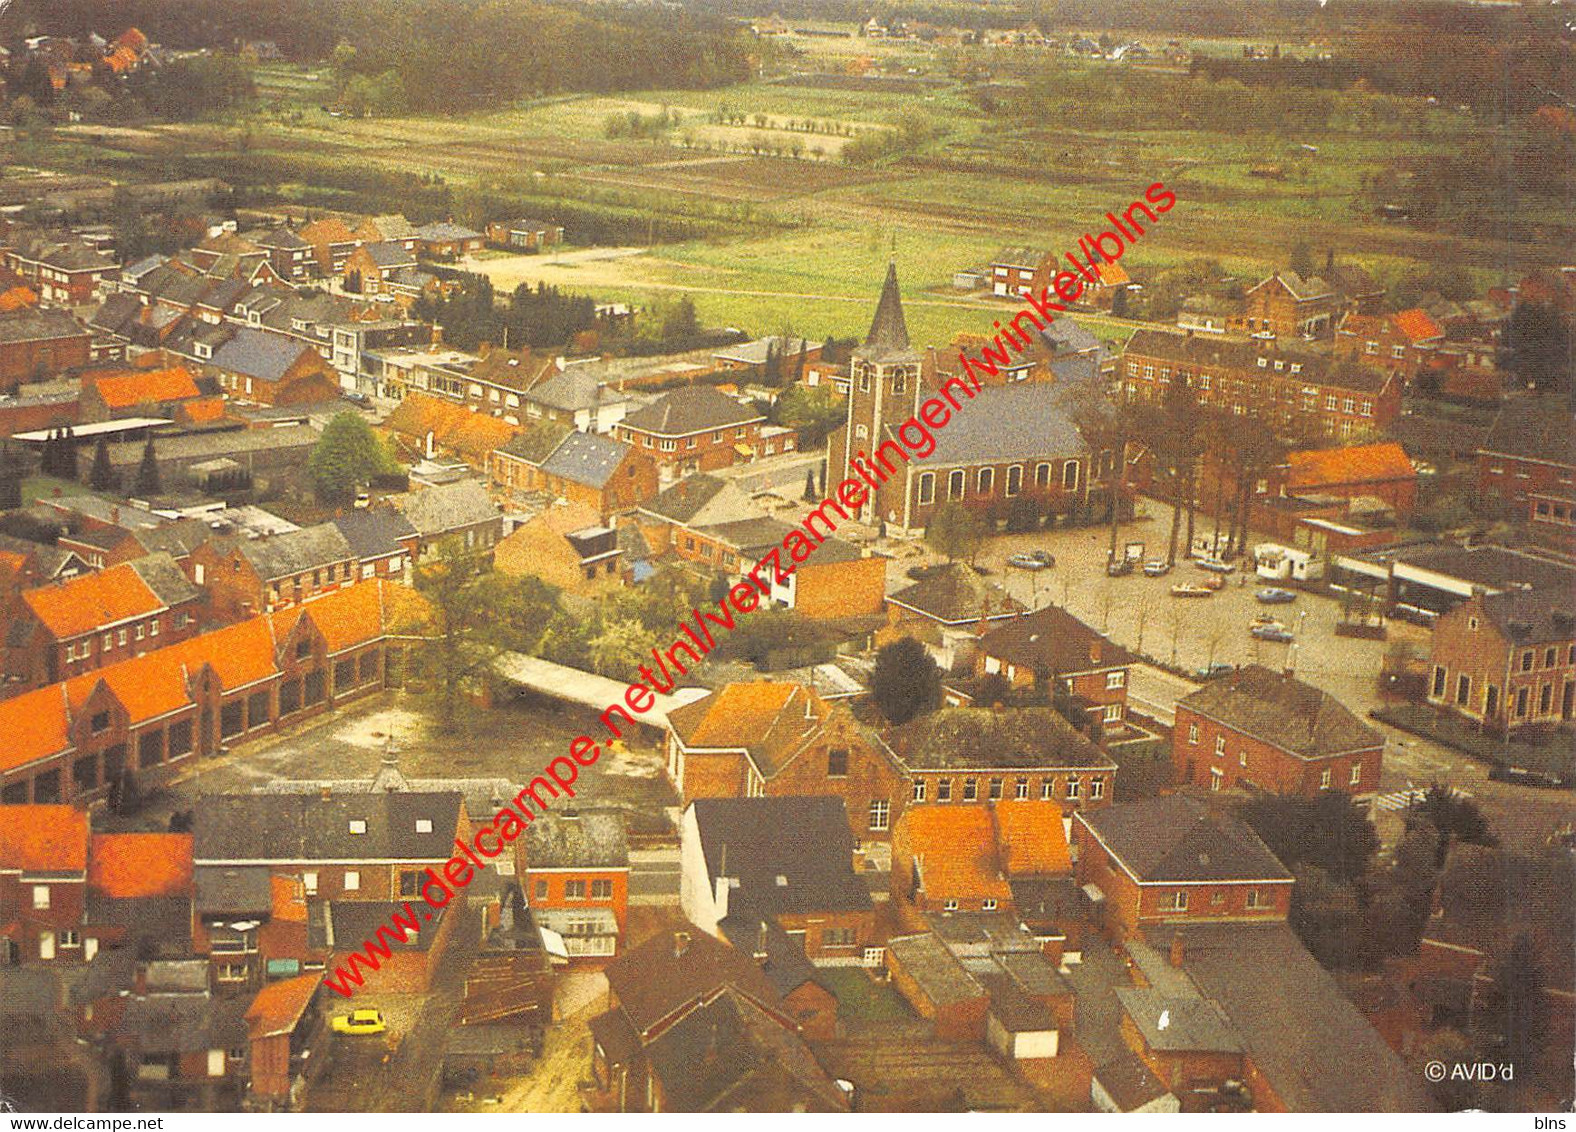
<point x="888" y="330"/>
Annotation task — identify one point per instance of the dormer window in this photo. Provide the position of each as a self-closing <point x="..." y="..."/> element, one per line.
<point x="423" y="825"/>
<point x="1296" y="367"/>
<point x="357" y="825"/>
<point x="202" y="349"/>
<point x="1264" y="363"/>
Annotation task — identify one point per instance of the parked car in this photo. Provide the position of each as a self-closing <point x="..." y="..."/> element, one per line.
<point x="1118" y="568"/>
<point x="359" y="1022"/>
<point x="1219" y="668"/>
<point x="1187" y="589"/>
<point x="1264" y="619"/>
<point x="1032" y="560"/>
<point x="1156" y="568"/>
<point x="1273" y="632"/>
<point x="1215" y="565"/>
<point x="356" y="397"/>
<point x="1273" y="596"/>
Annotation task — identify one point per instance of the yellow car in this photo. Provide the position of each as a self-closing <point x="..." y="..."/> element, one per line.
<point x="359" y="1022"/>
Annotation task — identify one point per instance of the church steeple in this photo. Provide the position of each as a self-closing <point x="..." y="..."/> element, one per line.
<point x="888" y="330"/>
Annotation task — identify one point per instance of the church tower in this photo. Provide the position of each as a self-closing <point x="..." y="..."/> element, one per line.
<point x="883" y="392"/>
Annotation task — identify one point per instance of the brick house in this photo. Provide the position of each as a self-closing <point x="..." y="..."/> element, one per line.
<point x="383" y="542"/>
<point x="749" y="864"/>
<point x="368" y="269"/>
<point x="459" y="513"/>
<point x="99" y="619"/>
<point x="939" y="987"/>
<point x="683" y="992"/>
<point x="751" y="357"/>
<point x="1551" y="519"/>
<point x="341" y="927"/>
<point x="1176" y="859"/>
<point x="111" y="394"/>
<point x="332" y="243"/>
<point x="36" y="344"/>
<point x="1012" y="270"/>
<point x="839" y="580"/>
<point x="447" y="240"/>
<point x="1268" y="731"/>
<point x="65" y="272"/>
<point x="948" y="610"/>
<point x="271" y="369"/>
<point x="426" y="426"/>
<point x="1288" y="306"/>
<point x="765" y="739"/>
<point x="1262" y="379"/>
<point x="597" y="471"/>
<point x="1185" y="1040"/>
<point x="1507" y="657"/>
<point x="693" y="429"/>
<point x="525" y="235"/>
<point x="1404" y="342"/>
<point x="289" y="255"/>
<point x="1052" y="644"/>
<point x="73" y="740"/>
<point x="1530" y="448"/>
<point x="576" y="879"/>
<point x="566" y="546"/>
<point x="1379" y="471"/>
<point x="945" y="859"/>
<point x="43" y="883"/>
<point x="139" y="893"/>
<point x="248" y="576"/>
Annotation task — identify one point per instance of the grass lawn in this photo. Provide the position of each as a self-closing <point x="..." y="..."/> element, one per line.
<point x="861" y="998"/>
<point x="35" y="488"/>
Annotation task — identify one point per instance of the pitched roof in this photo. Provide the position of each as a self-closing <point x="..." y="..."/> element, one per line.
<point x="1244" y="354"/>
<point x="536" y="443"/>
<point x="160" y="574"/>
<point x="92" y="601"/>
<point x="586" y="458"/>
<point x="691" y="409"/>
<point x="1363" y="463"/>
<point x="1301" y="289"/>
<point x="520" y="370"/>
<point x="375" y="532"/>
<point x="451" y="426"/>
<point x="279" y="1006"/>
<point x="44" y="839"/>
<point x="772" y="721"/>
<point x="1532" y="616"/>
<point x="310" y="548"/>
<point x="1024" y="421"/>
<point x="389" y="255"/>
<point x="1283" y="711"/>
<point x="327" y="230"/>
<point x="254" y="353"/>
<point x="1054" y="641"/>
<point x="1350" y="279"/>
<point x="308" y="827"/>
<point x="446" y="230"/>
<point x="888" y="337"/>
<point x="28" y="325"/>
<point x="955" y="594"/>
<point x="702" y="499"/>
<point x="1178" y="838"/>
<point x="1417" y="325"/>
<point x="956" y="852"/>
<point x="562" y="840"/>
<point x="1032" y="839"/>
<point x="140" y="865"/>
<point x="1535" y="428"/>
<point x="446" y="507"/>
<point x="675" y="969"/>
<point x="128" y="388"/>
<point x="1026" y="738"/>
<point x="787" y="855"/>
<point x="577" y="389"/>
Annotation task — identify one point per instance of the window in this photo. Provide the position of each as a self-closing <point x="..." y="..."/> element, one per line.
<point x="602" y="889"/>
<point x="944" y="790"/>
<point x="987" y="905"/>
<point x="1115" y="679"/>
<point x="1047" y="789"/>
<point x="1242" y="757"/>
<point x="1216" y="777"/>
<point x="1329" y="402"/>
<point x="1178" y="901"/>
<point x="1014" y="479"/>
<point x="574" y="890"/>
<point x="1545" y="699"/>
<point x="352" y="880"/>
<point x="1324" y="780"/>
<point x="955" y="484"/>
<point x="1220" y="745"/>
<point x="100" y="722"/>
<point x="919" y="790"/>
<point x="423" y="825"/>
<point x="1096" y="789"/>
<point x="837" y="762"/>
<point x="1464" y="688"/>
<point x="1070" y="475"/>
<point x="1256" y="899"/>
<point x="309" y="882"/>
<point x="1072" y="789"/>
<point x="880" y="813"/>
<point x="303" y="648"/>
<point x="927" y="487"/>
<point x="1439" y="680"/>
<point x="1368" y="408"/>
<point x="40" y="897"/>
<point x="985" y="481"/>
<point x="1348" y="405"/>
<point x="120" y="637"/>
<point x="1550" y="657"/>
<point x="971" y="789"/>
<point x="1192" y="733"/>
<point x="864" y="381"/>
<point x="898" y="384"/>
<point x="1042" y="475"/>
<point x="1113" y="713"/>
<point x="950" y="906"/>
<point x="1020" y="790"/>
<point x="1357" y="774"/>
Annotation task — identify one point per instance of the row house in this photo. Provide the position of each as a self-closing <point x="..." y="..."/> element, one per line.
<point x="1259" y="378"/>
<point x="1507" y="659"/>
<point x="1267" y="731"/>
<point x="525" y="235"/>
<point x="290" y="256"/>
<point x="371" y="267"/>
<point x="37" y="344"/>
<point x="65" y="272"/>
<point x="966" y="858"/>
<point x="383" y="542"/>
<point x="429" y="427"/>
<point x="43" y="883"/>
<point x="1551" y="519"/>
<point x="598" y="472"/>
<point x="1530" y="448"/>
<point x="1403" y="342"/>
<point x="73" y="740"/>
<point x="575" y="876"/>
<point x="459" y="514"/>
<point x="1049" y="645"/>
<point x="270" y="369"/>
<point x="1287" y="306"/>
<point x="244" y="577"/>
<point x="72" y="627"/>
<point x="695" y="428"/>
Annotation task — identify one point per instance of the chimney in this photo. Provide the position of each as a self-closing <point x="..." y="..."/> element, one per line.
<point x="681" y="942"/>
<point x="1178" y="949"/>
<point x="139" y="983"/>
<point x="1094" y="651"/>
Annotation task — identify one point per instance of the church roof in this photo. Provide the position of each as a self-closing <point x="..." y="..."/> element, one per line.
<point x="888" y="337"/>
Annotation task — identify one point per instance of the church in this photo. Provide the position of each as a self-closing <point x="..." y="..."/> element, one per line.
<point x="1014" y="441"/>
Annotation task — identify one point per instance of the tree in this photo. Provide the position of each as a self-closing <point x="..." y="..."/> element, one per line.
<point x="346" y="457"/>
<point x="148" y="471"/>
<point x="1301" y="259"/>
<point x="1455" y="818"/>
<point x="1329" y="832"/>
<point x="459" y="643"/>
<point x="12" y="472"/>
<point x="955" y="532"/>
<point x="809" y="486"/>
<point x="1514" y="1013"/>
<point x="620" y="647"/>
<point x="906" y="682"/>
<point x="102" y="476"/>
<point x="681" y="322"/>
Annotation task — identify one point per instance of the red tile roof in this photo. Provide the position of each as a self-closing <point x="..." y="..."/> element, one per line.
<point x="1417" y="325"/>
<point x="279" y="1006"/>
<point x="92" y="601"/>
<point x="131" y="865"/>
<point x="127" y="389"/>
<point x="44" y="839"/>
<point x="1033" y="839"/>
<point x="1365" y="463"/>
<point x="956" y="849"/>
<point x="34" y="726"/>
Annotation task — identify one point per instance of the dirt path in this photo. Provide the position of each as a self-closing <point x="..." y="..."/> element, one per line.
<point x="553" y="1085"/>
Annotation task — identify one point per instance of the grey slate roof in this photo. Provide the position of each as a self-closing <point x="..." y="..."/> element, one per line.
<point x="1319" y="369"/>
<point x="37" y="325"/>
<point x="310" y="548"/>
<point x="749" y="535"/>
<point x="1532" y="616"/>
<point x="537" y="443"/>
<point x="308" y="827"/>
<point x="555" y="841"/>
<point x="585" y="458"/>
<point x="1025" y="421"/>
<point x="389" y="255"/>
<point x="1535" y="428"/>
<point x="956" y="594"/>
<point x="888" y="337"/>
<point x="789" y="854"/>
<point x="374" y="533"/>
<point x="160" y="574"/>
<point x="443" y="230"/>
<point x="343" y="925"/>
<point x="1284" y="711"/>
<point x="1026" y="738"/>
<point x="231" y="890"/>
<point x="691" y="409"/>
<point x="1177" y="838"/>
<point x="1054" y="640"/>
<point x="704" y="498"/>
<point x="940" y="975"/>
<point x="446" y="507"/>
<point x="576" y="389"/>
<point x="1191" y="1024"/>
<point x="253" y="353"/>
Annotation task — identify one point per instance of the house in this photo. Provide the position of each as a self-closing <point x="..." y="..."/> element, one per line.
<point x="1026" y="754"/>
<point x="576" y="880"/>
<point x="1507" y="659"/>
<point x="1355" y="289"/>
<point x="1260" y="378"/>
<point x="383" y="541"/>
<point x="1177" y="859"/>
<point x="1404" y="342"/>
<point x="282" y="1023"/>
<point x="691" y="429"/>
<point x="839" y="581"/>
<point x="1012" y="270"/>
<point x="566" y="546"/>
<point x="752" y="356"/>
<point x="1531" y="447"/>
<point x="139" y="894"/>
<point x="291" y="257"/>
<point x="946" y="609"/>
<point x="43" y="873"/>
<point x="1264" y="730"/>
<point x="945" y="859"/>
<point x="1375" y="471"/>
<point x="1551" y="519"/>
<point x="1288" y="306"/>
<point x="342" y="927"/>
<point x="67" y="272"/>
<point x="459" y="513"/>
<point x="694" y="1025"/>
<point x="181" y="1046"/>
<point x="447" y="240"/>
<point x="36" y="344"/>
<point x="765" y="739"/>
<point x="525" y="235"/>
<point x="578" y="396"/>
<point x="1051" y="644"/>
<point x="72" y="627"/>
<point x="391" y="228"/>
<point x="598" y="472"/>
<point x="112" y="394"/>
<point x="271" y="369"/>
<point x="940" y="988"/>
<point x="426" y="426"/>
<point x="331" y="242"/>
<point x="749" y="864"/>
<point x="370" y="268"/>
<point x="249" y="576"/>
